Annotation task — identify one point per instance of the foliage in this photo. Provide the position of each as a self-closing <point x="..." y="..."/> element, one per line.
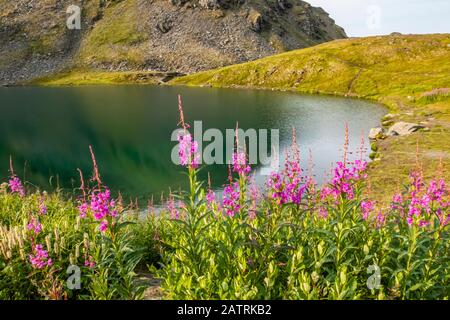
<point x="299" y="241"/>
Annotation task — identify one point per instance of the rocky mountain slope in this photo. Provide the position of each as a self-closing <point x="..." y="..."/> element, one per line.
<point x="159" y="35"/>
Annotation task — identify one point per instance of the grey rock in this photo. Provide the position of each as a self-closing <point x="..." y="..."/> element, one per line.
<point x="209" y="4"/>
<point x="376" y="133"/>
<point x="256" y="20"/>
<point x="164" y="26"/>
<point x="403" y="129"/>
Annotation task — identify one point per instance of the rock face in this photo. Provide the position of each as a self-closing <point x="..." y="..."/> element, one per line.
<point x="163" y="35"/>
<point x="376" y="133"/>
<point x="403" y="129"/>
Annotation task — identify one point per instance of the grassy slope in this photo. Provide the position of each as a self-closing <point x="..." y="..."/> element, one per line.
<point x="116" y="39"/>
<point x="81" y="77"/>
<point x="393" y="70"/>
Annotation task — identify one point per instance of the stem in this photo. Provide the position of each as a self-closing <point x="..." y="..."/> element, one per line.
<point x="411" y="250"/>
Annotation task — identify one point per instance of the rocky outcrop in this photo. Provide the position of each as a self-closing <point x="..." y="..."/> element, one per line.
<point x="376" y="133"/>
<point x="404" y="129"/>
<point x="162" y="35"/>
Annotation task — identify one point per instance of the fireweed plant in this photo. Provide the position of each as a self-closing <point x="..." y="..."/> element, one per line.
<point x="297" y="240"/>
<point x="291" y="239"/>
<point x="45" y="239"/>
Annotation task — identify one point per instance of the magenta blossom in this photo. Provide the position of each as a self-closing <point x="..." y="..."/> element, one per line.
<point x="344" y="180"/>
<point x="323" y="213"/>
<point x="424" y="203"/>
<point x="15" y="185"/>
<point x="103" y="226"/>
<point x="367" y="207"/>
<point x="83" y="209"/>
<point x="90" y="263"/>
<point x="254" y="196"/>
<point x="210" y="198"/>
<point x="231" y="196"/>
<point x="42" y="207"/>
<point x="240" y="165"/>
<point x="397" y="202"/>
<point x="102" y="208"/>
<point x="173" y="209"/>
<point x="102" y="205"/>
<point x="39" y="259"/>
<point x="188" y="151"/>
<point x="35" y="225"/>
<point x="380" y="220"/>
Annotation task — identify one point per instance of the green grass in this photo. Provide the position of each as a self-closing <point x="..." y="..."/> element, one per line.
<point x="326" y="245"/>
<point x="65" y="236"/>
<point x="91" y="77"/>
<point x="393" y="70"/>
<point x="115" y="38"/>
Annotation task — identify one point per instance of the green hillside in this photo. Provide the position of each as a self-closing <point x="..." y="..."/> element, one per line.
<point x="410" y="74"/>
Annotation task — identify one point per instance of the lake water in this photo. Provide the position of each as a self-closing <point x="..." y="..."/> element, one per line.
<point x="47" y="131"/>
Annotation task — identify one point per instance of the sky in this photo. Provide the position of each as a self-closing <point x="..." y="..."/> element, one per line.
<point x="377" y="17"/>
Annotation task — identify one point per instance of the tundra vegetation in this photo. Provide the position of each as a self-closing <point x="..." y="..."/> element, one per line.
<point x="292" y="239"/>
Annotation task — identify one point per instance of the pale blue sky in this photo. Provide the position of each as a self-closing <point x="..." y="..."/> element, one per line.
<point x="375" y="17"/>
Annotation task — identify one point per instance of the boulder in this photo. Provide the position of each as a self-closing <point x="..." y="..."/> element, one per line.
<point x="209" y="4"/>
<point x="255" y="20"/>
<point x="283" y="4"/>
<point x="404" y="129"/>
<point x="376" y="133"/>
<point x="389" y="116"/>
<point x="165" y="25"/>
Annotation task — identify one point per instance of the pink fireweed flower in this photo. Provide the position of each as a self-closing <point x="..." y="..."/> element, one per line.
<point x="416" y="183"/>
<point x="380" y="220"/>
<point x="425" y="203"/>
<point x="231" y="196"/>
<point x="359" y="170"/>
<point x="325" y="192"/>
<point x="397" y="202"/>
<point x="436" y="190"/>
<point x="414" y="210"/>
<point x="39" y="259"/>
<point x="83" y="209"/>
<point x="323" y="213"/>
<point x="367" y="207"/>
<point x="240" y="165"/>
<point x="15" y="185"/>
<point x="296" y="192"/>
<point x="172" y="208"/>
<point x="102" y="205"/>
<point x="286" y="188"/>
<point x="42" y="207"/>
<point x="397" y="198"/>
<point x="344" y="179"/>
<point x="210" y="198"/>
<point x="188" y="150"/>
<point x="90" y="263"/>
<point x="35" y="225"/>
<point x="254" y="196"/>
<point x="276" y="188"/>
<point x="103" y="226"/>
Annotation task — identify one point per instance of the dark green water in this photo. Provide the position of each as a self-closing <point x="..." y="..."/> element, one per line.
<point x="48" y="130"/>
